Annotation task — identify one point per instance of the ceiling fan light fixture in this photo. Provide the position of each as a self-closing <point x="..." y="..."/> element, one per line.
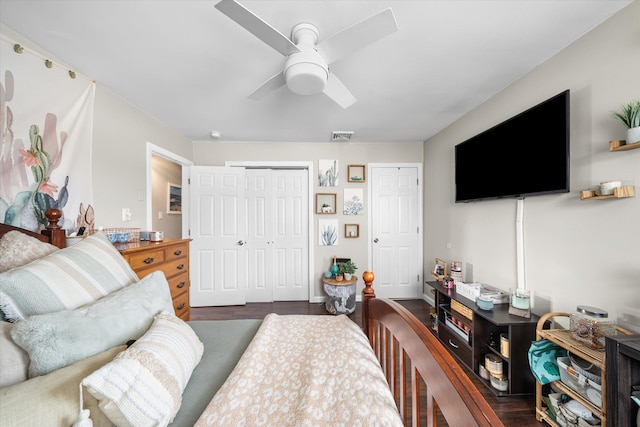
<point x="306" y="72"/>
<point x="306" y="78"/>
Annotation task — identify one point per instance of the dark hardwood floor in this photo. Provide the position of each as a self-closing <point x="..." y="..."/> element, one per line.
<point x="513" y="411"/>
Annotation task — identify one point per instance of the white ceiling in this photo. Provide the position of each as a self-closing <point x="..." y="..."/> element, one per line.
<point x="191" y="67"/>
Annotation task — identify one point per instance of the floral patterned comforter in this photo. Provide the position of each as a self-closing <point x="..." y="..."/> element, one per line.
<point x="305" y="371"/>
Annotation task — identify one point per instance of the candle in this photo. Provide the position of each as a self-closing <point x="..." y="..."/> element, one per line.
<point x="520" y="298"/>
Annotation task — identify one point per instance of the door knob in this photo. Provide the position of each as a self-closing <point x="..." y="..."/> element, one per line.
<point x="240" y="242"/>
<point x="375" y="240"/>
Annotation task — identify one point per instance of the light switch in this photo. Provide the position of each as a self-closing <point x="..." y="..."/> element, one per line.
<point x="159" y="214"/>
<point x="126" y="214"/>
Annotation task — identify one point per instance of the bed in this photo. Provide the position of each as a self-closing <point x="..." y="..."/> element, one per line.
<point x="282" y="370"/>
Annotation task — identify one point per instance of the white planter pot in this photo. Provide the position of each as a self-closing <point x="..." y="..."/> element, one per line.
<point x="633" y="135"/>
<point x="347" y="276"/>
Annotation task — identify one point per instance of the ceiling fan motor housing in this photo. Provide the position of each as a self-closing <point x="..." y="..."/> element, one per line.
<point x="306" y="72"/>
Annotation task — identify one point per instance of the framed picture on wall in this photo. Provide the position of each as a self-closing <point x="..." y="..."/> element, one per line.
<point x="174" y="199"/>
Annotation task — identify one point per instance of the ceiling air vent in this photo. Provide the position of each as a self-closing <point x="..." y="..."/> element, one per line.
<point x="341" y="135"/>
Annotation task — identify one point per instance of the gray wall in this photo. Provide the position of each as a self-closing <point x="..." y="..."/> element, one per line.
<point x="217" y="153"/>
<point x="576" y="252"/>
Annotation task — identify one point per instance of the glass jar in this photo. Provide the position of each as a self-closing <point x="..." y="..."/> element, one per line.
<point x="590" y="325"/>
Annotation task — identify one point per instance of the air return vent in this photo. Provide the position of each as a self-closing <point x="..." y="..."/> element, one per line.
<point x="341" y="135"/>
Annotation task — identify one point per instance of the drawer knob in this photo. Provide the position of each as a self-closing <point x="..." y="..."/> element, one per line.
<point x="178" y="252"/>
<point x="180" y="307"/>
<point x="180" y="266"/>
<point x="452" y="344"/>
<point x="148" y="260"/>
<point x="181" y="285"/>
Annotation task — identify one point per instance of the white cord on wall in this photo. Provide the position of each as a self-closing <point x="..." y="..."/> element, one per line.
<point x="520" y="242"/>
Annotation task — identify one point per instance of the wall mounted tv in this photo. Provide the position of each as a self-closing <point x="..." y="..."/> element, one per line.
<point x="526" y="155"/>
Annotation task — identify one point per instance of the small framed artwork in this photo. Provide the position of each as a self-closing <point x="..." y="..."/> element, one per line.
<point x="174" y="199"/>
<point x="328" y="174"/>
<point x="326" y="203"/>
<point x="357" y="173"/>
<point x="328" y="232"/>
<point x="353" y="203"/>
<point x="351" y="231"/>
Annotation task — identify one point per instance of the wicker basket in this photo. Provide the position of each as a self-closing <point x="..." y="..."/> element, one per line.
<point x="120" y="235"/>
<point x="462" y="309"/>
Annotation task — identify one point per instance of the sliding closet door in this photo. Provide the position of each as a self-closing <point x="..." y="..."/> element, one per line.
<point x="277" y="235"/>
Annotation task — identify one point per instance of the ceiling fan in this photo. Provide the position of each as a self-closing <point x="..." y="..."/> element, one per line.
<point x="306" y="69"/>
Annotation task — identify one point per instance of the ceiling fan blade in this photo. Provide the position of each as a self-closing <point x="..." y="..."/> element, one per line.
<point x="269" y="86"/>
<point x="358" y="36"/>
<point x="256" y="26"/>
<point x="338" y="92"/>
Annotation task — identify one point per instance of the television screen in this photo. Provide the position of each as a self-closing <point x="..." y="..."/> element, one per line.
<point x="526" y="155"/>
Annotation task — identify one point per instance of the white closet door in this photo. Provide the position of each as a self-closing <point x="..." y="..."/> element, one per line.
<point x="218" y="258"/>
<point x="395" y="213"/>
<point x="277" y="235"/>
<point x="291" y="235"/>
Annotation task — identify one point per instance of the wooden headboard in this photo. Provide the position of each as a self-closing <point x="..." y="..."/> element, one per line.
<point x="52" y="234"/>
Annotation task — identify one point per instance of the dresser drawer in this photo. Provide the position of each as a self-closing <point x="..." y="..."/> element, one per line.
<point x="455" y="345"/>
<point x="177" y="251"/>
<point x="146" y="259"/>
<point x="179" y="284"/>
<point x="181" y="305"/>
<point x="174" y="267"/>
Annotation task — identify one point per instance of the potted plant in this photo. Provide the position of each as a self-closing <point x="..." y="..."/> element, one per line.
<point x="630" y="117"/>
<point x="347" y="269"/>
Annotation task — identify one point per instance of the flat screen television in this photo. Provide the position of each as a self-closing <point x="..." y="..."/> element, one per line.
<point x="526" y="155"/>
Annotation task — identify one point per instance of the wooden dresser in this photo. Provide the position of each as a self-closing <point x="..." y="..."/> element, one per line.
<point x="172" y="257"/>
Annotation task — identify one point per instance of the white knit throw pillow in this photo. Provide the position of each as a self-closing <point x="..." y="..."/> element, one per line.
<point x="143" y="385"/>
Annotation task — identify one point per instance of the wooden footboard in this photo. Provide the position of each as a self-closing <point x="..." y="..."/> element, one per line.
<point x="426" y="381"/>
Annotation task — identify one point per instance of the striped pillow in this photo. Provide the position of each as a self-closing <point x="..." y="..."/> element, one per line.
<point x="143" y="385"/>
<point x="65" y="279"/>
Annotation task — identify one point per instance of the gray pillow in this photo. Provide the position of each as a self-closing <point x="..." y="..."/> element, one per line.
<point x="55" y="340"/>
<point x="66" y="279"/>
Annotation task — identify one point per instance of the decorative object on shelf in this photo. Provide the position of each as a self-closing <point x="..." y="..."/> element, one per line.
<point x="606" y="188"/>
<point x="440" y="269"/>
<point x="499" y="382"/>
<point x="589" y="325"/>
<point x="520" y="303"/>
<point x="504" y="345"/>
<point x="357" y="173"/>
<point x="456" y="271"/>
<point x="351" y="231"/>
<point x="469" y="290"/>
<point x="347" y="268"/>
<point x="326" y="203"/>
<point x="334" y="268"/>
<point x="484" y="303"/>
<point x="630" y="117"/>
<point x="448" y="282"/>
